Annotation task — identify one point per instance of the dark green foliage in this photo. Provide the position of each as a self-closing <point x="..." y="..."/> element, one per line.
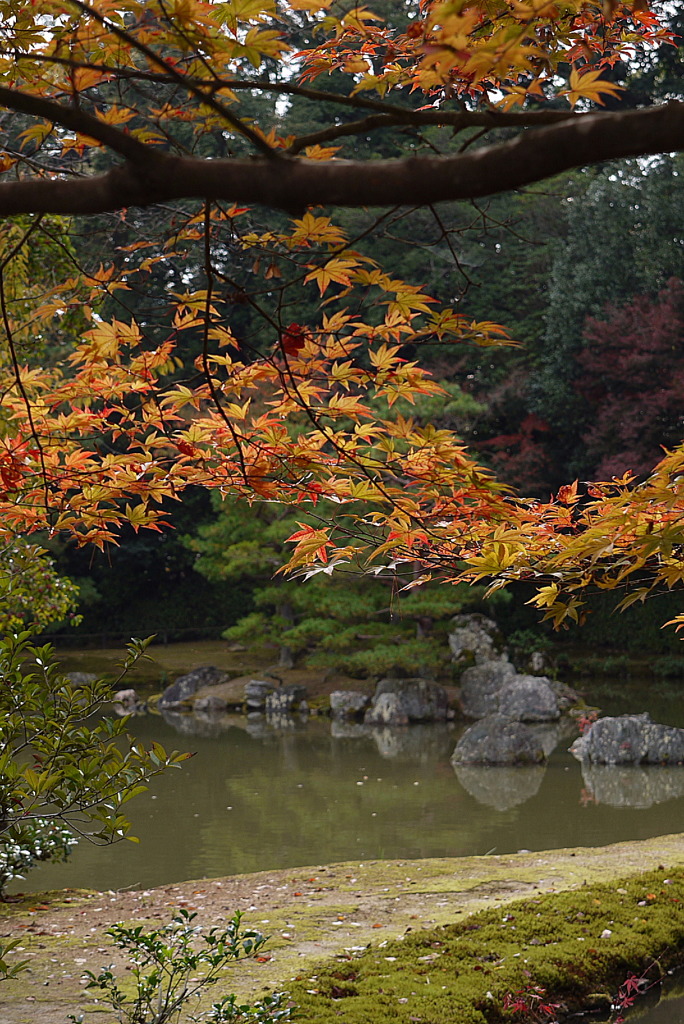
<point x="625" y="231"/>
<point x="670" y="667"/>
<point x="463" y="972"/>
<point x="362" y="626"/>
<point x="148" y="584"/>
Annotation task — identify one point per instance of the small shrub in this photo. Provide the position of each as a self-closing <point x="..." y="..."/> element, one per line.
<point x="62" y="762"/>
<point x="526" y="641"/>
<point x="669" y="667"/>
<point x="165" y="966"/>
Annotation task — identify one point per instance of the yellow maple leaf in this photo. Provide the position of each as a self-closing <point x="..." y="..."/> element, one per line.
<point x="313" y="6"/>
<point x="588" y="85"/>
<point x="334" y="270"/>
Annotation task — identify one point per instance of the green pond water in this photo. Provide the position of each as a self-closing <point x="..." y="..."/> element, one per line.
<point x="256" y="797"/>
<point x="661" y="1008"/>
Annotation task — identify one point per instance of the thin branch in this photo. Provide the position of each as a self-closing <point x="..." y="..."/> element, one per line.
<point x="216" y="398"/>
<point x="77" y="120"/>
<point x="15" y="360"/>
<point x="457" y="120"/>
<point x="445" y="235"/>
<point x="245" y="84"/>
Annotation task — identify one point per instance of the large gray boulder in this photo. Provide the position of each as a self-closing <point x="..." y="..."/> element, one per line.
<point x="495" y="688"/>
<point x="285" y="700"/>
<point x="630" y="739"/>
<point x="528" y="699"/>
<point x="387" y="709"/>
<point x="348" y="703"/>
<point x="475" y="639"/>
<point x="499" y="740"/>
<point x="416" y="700"/>
<point x="187" y="686"/>
<point x="480" y="686"/>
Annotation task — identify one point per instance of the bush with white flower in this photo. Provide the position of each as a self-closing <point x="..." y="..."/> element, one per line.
<point x="31" y="841"/>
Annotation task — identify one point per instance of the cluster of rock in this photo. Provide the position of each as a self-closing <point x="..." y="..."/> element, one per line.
<point x="514" y="710"/>
<point x="208" y="691"/>
<point x="519" y="717"/>
<point x="395" y="702"/>
<point x="185" y="687"/>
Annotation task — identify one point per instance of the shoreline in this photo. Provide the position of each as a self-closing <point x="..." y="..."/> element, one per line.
<point x="310" y="913"/>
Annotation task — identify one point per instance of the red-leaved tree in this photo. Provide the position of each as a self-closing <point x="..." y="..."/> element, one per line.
<point x="633" y="382"/>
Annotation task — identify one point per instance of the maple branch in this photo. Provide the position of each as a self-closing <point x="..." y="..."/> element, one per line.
<point x="214" y="85"/>
<point x="293" y="184"/>
<point x="456" y="119"/>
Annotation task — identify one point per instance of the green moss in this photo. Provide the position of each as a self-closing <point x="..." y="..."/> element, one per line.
<point x="463" y="971"/>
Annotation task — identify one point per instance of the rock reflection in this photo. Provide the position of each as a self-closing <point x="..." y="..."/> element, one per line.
<point x="633" y="785"/>
<point x="342" y="729"/>
<point x="210" y="724"/>
<point x="418" y="743"/>
<point x="200" y="724"/>
<point x="499" y="786"/>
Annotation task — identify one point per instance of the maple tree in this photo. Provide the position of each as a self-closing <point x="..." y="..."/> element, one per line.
<point x="632" y="380"/>
<point x="117" y="106"/>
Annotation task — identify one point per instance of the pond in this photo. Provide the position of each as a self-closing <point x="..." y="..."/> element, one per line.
<point x="256" y="797"/>
<point x="661" y="1008"/>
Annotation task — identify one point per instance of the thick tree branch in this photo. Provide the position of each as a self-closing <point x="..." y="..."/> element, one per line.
<point x="293" y="184"/>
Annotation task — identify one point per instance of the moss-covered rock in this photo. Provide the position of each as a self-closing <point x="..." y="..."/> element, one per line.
<point x="575" y="945"/>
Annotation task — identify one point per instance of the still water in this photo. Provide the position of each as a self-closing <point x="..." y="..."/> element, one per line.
<point x="661" y="1008"/>
<point x="257" y="797"/>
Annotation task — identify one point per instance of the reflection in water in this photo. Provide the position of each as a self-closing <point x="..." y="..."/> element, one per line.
<point x="669" y="1009"/>
<point x="500" y="787"/>
<point x="260" y="795"/>
<point x="420" y="744"/>
<point x="633" y="785"/>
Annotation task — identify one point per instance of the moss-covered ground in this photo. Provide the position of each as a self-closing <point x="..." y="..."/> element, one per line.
<point x="578" y="946"/>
